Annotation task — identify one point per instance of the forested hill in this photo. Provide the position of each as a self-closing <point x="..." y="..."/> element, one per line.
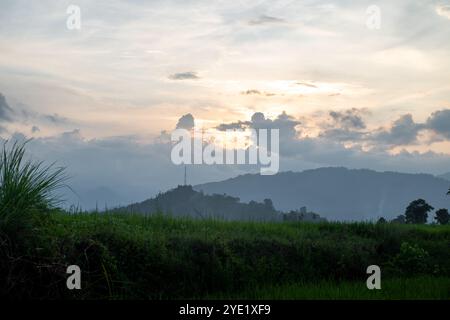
<point x="338" y="193"/>
<point x="185" y="201"/>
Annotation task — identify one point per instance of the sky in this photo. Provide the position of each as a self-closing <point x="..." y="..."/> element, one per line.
<point x="358" y="84"/>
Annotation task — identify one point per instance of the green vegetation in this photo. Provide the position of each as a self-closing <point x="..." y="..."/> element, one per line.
<point x="417" y="211"/>
<point x="133" y="256"/>
<point x="442" y="216"/>
<point x="26" y="187"/>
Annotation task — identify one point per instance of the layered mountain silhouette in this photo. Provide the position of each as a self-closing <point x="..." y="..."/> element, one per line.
<point x="337" y="193"/>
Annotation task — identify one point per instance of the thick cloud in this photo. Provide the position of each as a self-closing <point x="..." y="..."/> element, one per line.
<point x="403" y="132"/>
<point x="439" y="122"/>
<point x="186" y="122"/>
<point x="349" y="125"/>
<point x="348" y="119"/>
<point x="346" y="125"/>
<point x="284" y="122"/>
<point x="190" y="75"/>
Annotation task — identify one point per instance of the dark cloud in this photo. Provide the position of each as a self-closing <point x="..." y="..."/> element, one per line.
<point x="349" y="125"/>
<point x="403" y="131"/>
<point x="258" y="117"/>
<point x="186" y="122"/>
<point x="35" y="129"/>
<point x="286" y="124"/>
<point x="264" y="19"/>
<point x="439" y="122"/>
<point x="190" y="75"/>
<point x="345" y="125"/>
<point x="348" y="119"/>
<point x="5" y="110"/>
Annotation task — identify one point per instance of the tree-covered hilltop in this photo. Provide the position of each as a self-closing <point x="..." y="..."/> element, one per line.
<point x="184" y="201"/>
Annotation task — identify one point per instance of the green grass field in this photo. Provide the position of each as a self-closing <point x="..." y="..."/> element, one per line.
<point x="125" y="256"/>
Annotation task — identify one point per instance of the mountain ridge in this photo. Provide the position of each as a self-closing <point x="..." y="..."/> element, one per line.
<point x="337" y="193"/>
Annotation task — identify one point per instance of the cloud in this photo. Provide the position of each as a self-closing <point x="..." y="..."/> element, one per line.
<point x="286" y="124"/>
<point x="233" y="126"/>
<point x="186" y="122"/>
<point x="190" y="75"/>
<point x="306" y="84"/>
<point x="439" y="122"/>
<point x="23" y="114"/>
<point x="443" y="10"/>
<point x="5" y="110"/>
<point x="350" y="126"/>
<point x="402" y="132"/>
<point x="348" y="119"/>
<point x="56" y="118"/>
<point x="346" y="125"/>
<point x="257" y="92"/>
<point x="35" y="129"/>
<point x="251" y="92"/>
<point x="264" y="19"/>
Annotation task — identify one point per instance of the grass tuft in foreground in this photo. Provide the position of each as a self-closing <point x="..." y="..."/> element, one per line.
<point x="25" y="187"/>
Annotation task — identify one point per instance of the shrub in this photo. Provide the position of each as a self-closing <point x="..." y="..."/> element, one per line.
<point x="411" y="259"/>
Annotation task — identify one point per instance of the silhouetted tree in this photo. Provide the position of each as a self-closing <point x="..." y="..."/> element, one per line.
<point x="381" y="220"/>
<point x="442" y="216"/>
<point x="417" y="211"/>
<point x="448" y="192"/>
<point x="399" y="219"/>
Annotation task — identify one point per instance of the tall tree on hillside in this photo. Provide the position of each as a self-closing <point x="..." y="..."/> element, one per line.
<point x="442" y="216"/>
<point x="417" y="211"/>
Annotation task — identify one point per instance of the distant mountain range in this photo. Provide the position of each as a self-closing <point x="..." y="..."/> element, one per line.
<point x="337" y="193"/>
